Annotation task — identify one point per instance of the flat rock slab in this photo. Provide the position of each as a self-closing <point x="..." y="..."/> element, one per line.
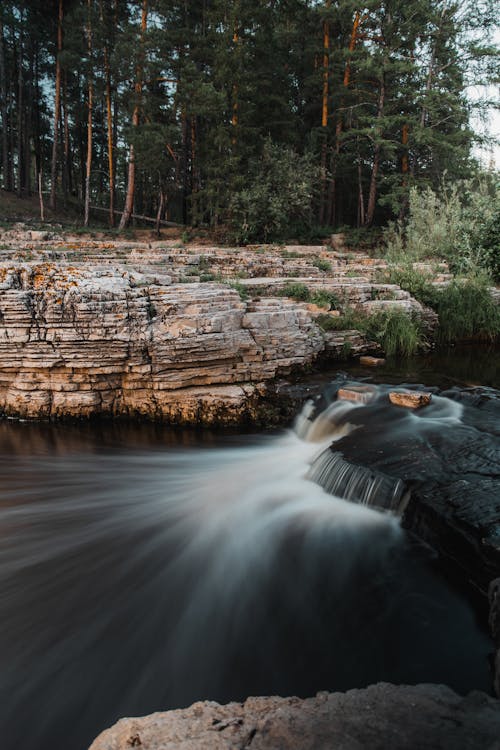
<point x="381" y="717"/>
<point x="371" y="361"/>
<point x="358" y="393"/>
<point x="410" y="399"/>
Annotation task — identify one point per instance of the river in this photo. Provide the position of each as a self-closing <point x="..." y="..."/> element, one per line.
<point x="143" y="568"/>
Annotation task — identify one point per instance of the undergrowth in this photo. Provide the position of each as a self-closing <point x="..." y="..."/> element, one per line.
<point x="397" y="332"/>
<point x="466" y="310"/>
<point x="302" y="293"/>
<point x="465" y="307"/>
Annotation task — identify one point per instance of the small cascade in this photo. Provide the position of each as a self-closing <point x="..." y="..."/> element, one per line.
<point x="330" y="470"/>
<point x="357" y="483"/>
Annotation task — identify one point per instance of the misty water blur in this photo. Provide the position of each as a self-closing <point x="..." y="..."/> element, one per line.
<point x="144" y="569"/>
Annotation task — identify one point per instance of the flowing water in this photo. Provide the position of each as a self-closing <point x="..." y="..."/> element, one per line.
<point x="143" y="568"/>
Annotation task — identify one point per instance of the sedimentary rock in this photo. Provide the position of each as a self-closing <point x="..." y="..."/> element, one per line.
<point x="372" y="361"/>
<point x="361" y="393"/>
<point x="78" y="340"/>
<point x="410" y="399"/>
<point x="381" y="717"/>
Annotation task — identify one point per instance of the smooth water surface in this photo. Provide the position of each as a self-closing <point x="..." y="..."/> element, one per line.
<point x="143" y="568"/>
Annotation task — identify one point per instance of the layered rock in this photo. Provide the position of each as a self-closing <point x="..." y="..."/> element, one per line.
<point x="77" y="341"/>
<point x="380" y="717"/>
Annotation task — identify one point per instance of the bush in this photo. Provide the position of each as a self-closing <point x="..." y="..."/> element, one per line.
<point x="276" y="198"/>
<point x="297" y="291"/>
<point x="415" y="282"/>
<point x="466" y="309"/>
<point x="460" y="223"/>
<point x="397" y="332"/>
<point x="302" y="293"/>
<point x="322" y="264"/>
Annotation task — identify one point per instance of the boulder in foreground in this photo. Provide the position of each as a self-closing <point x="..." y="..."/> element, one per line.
<point x="380" y="717"/>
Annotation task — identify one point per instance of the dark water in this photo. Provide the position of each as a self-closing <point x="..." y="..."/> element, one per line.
<point x="143" y="568"/>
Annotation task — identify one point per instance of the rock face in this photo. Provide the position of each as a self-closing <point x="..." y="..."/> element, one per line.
<point x="381" y="717"/>
<point x="77" y="341"/>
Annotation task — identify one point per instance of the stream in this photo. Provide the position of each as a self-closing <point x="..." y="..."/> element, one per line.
<point x="144" y="567"/>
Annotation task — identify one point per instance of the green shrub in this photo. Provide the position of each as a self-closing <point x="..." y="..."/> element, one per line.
<point x="302" y="293"/>
<point x="297" y="291"/>
<point x="350" y="319"/>
<point x="240" y="288"/>
<point x="460" y="223"/>
<point x="322" y="264"/>
<point x="276" y="198"/>
<point x="415" y="282"/>
<point x="466" y="309"/>
<point x="489" y="245"/>
<point x="396" y="331"/>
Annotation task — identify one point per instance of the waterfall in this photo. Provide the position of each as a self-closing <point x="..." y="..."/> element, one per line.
<point x="357" y="483"/>
<point x="349" y="480"/>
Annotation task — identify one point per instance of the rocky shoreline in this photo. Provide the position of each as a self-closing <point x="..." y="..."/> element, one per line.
<point x="185" y="335"/>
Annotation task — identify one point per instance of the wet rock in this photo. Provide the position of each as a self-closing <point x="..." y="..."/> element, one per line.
<point x="410" y="399"/>
<point x="371" y="361"/>
<point x="448" y="456"/>
<point x="380" y="717"/>
<point x="361" y="394"/>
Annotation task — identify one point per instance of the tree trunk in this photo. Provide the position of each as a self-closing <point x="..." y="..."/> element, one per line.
<point x="129" y="198"/>
<point x="109" y="123"/>
<point x="372" y="193"/>
<point x="3" y="111"/>
<point x="332" y="191"/>
<point x="235" y="104"/>
<point x="20" y="105"/>
<point x="40" y="197"/>
<point x="28" y="122"/>
<point x="324" y="115"/>
<point x="68" y="182"/>
<point x="90" y="103"/>
<point x="36" y="136"/>
<point x="57" y="110"/>
<point x="161" y="204"/>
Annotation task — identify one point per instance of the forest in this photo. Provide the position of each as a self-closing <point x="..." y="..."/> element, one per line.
<point x="250" y="118"/>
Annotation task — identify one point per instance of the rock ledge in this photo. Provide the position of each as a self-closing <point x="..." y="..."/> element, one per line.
<point x="380" y="717"/>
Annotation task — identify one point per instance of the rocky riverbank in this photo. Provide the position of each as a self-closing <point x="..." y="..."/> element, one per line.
<point x="159" y="330"/>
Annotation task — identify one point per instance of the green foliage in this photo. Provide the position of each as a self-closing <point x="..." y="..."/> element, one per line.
<point x="297" y="291"/>
<point x="302" y="293"/>
<point x="397" y="332"/>
<point x="324" y="298"/>
<point x="488" y="242"/>
<point x="240" y="288"/>
<point x="459" y="223"/>
<point x="415" y="282"/>
<point x="466" y="309"/>
<point x="322" y="264"/>
<point x="277" y="196"/>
